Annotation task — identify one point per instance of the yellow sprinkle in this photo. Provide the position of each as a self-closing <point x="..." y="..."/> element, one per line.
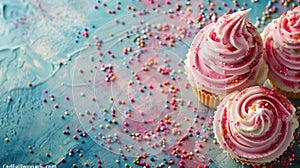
<point x="114" y="121"/>
<point x="130" y="83"/>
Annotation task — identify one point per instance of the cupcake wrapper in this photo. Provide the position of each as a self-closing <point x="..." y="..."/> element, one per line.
<point x="249" y="163"/>
<point x="245" y="162"/>
<point x="286" y="93"/>
<point x="208" y="99"/>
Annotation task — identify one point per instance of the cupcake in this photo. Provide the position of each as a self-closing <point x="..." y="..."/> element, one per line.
<point x="256" y="125"/>
<point x="225" y="56"/>
<point x="281" y="40"/>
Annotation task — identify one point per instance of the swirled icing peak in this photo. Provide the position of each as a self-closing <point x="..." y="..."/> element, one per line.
<point x="255" y="125"/>
<point x="226" y="55"/>
<point x="282" y="50"/>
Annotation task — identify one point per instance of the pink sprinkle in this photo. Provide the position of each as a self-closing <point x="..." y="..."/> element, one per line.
<point x="209" y="160"/>
<point x="224" y="4"/>
<point x="67" y="98"/>
<point x="141" y="90"/>
<point x="47" y="154"/>
<point x="186" y="85"/>
<point x="118" y="7"/>
<point x="44" y="100"/>
<point x="67" y="127"/>
<point x="103" y="4"/>
<point x="229" y="10"/>
<point x="75" y="137"/>
<point x="281" y="2"/>
<point x="95" y="7"/>
<point x="201" y="117"/>
<point x="31" y="151"/>
<point x="235" y="4"/>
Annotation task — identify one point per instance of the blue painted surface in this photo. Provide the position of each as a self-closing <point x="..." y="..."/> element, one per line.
<point x="39" y="44"/>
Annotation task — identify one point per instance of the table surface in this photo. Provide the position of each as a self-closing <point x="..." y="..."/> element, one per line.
<point x="102" y="83"/>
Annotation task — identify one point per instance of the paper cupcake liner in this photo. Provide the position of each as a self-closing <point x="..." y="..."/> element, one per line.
<point x="286" y="93"/>
<point x="208" y="99"/>
<point x="245" y="162"/>
<point x="249" y="163"/>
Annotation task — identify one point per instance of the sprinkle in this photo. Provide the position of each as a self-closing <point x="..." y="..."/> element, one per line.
<point x="29" y="84"/>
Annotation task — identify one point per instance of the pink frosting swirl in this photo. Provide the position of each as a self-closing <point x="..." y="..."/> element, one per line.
<point x="282" y="50"/>
<point x="226" y="55"/>
<point x="255" y="125"/>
